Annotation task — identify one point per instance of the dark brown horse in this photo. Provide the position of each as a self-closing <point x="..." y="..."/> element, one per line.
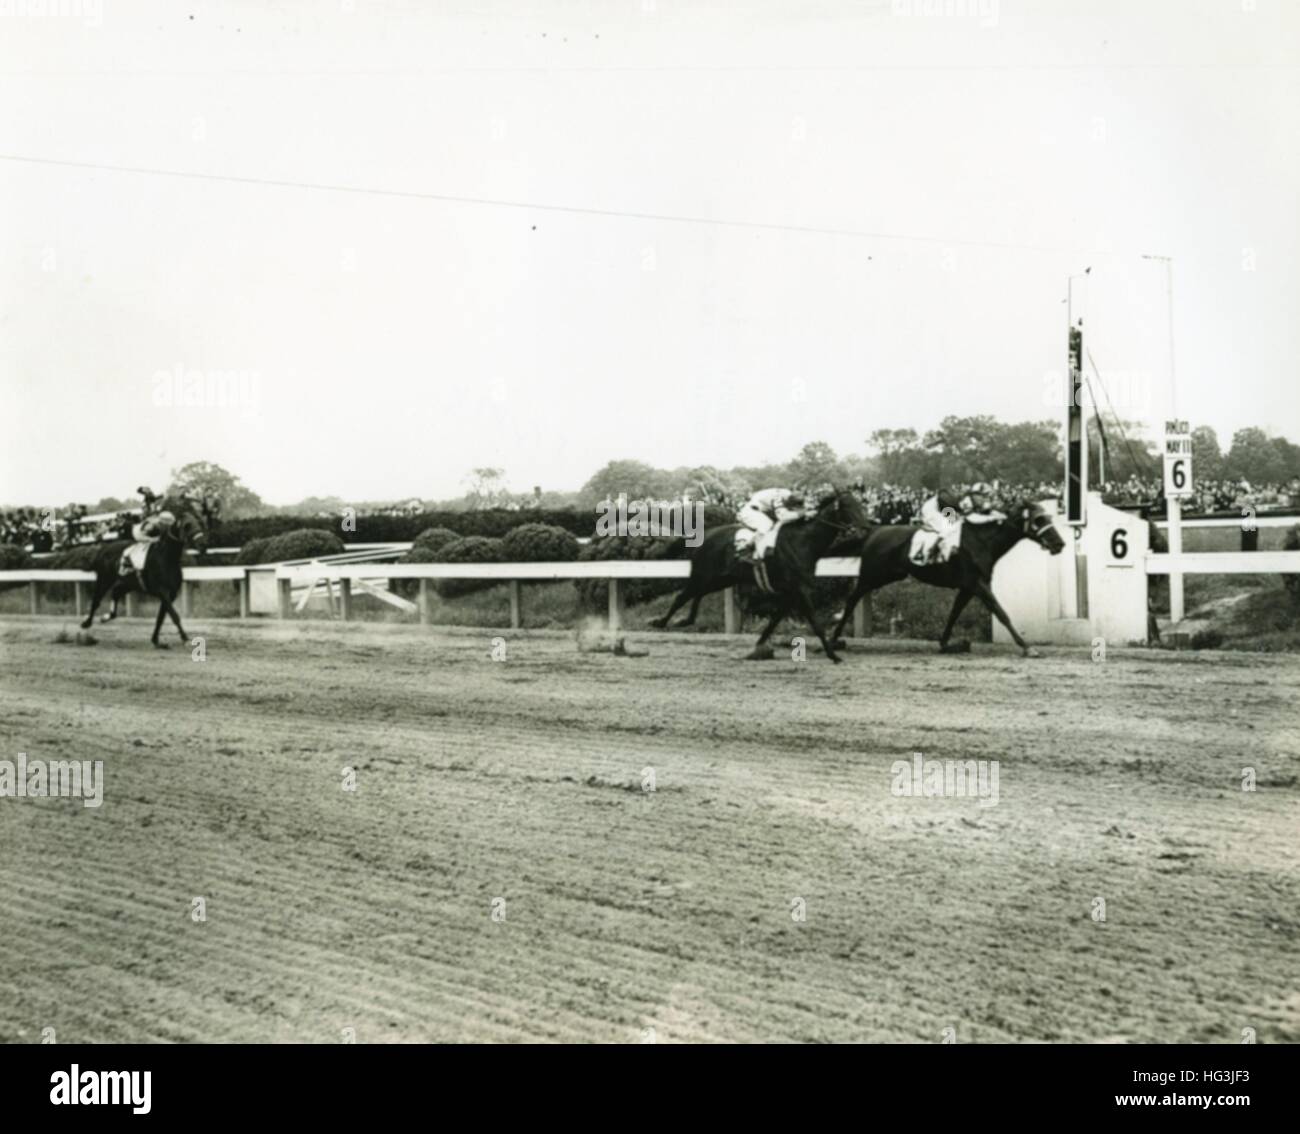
<point x="790" y="567"/>
<point x="886" y="559"/>
<point x="161" y="576"/>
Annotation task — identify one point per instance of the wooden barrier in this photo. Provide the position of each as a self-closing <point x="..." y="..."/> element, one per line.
<point x="612" y="571"/>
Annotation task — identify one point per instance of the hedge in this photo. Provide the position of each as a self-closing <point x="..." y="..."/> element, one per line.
<point x="593" y="593"/>
<point x="305" y="543"/>
<point x="400" y="529"/>
<point x="431" y="539"/>
<point x="539" y="543"/>
<point x="470" y="549"/>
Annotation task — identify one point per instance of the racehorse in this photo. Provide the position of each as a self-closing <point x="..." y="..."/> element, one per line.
<point x="161" y="575"/>
<point x="789" y="567"/>
<point x="886" y="559"/>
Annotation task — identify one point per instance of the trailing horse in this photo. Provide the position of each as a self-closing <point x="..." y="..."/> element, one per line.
<point x="886" y="559"/>
<point x="789" y="568"/>
<point x="161" y="574"/>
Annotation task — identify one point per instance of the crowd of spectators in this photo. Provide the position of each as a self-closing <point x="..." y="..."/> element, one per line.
<point x="54" y="529"/>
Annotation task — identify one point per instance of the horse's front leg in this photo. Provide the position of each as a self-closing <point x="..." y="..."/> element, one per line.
<point x="157" y="625"/>
<point x="176" y="619"/>
<point x="114" y="595"/>
<point x="804" y="601"/>
<point x="985" y="593"/>
<point x="101" y="589"/>
<point x="859" y="593"/>
<point x="762" y="651"/>
<point x="958" y="605"/>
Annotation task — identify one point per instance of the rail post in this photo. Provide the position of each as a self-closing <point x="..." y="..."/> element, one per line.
<point x="516" y="606"/>
<point x="345" y="598"/>
<point x="730" y="611"/>
<point x="860" y="613"/>
<point x="616" y="608"/>
<point x="187" y="597"/>
<point x="285" y="590"/>
<point x="426" y="602"/>
<point x="245" y="603"/>
<point x="80" y="597"/>
<point x="130" y="604"/>
<point x="34" y="597"/>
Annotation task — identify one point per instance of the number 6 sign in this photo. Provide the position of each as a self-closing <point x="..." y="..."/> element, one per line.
<point x="1178" y="459"/>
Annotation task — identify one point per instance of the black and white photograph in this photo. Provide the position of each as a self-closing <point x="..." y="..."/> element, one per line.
<point x="650" y="522"/>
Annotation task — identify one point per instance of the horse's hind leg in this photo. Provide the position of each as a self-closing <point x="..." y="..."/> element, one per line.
<point x="119" y="588"/>
<point x="682" y="597"/>
<point x="689" y="620"/>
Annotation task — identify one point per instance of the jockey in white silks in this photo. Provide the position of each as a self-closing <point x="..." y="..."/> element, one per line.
<point x="944" y="513"/>
<point x="764" y="513"/>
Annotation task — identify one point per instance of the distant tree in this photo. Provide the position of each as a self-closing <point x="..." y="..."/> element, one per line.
<point x="1256" y="457"/>
<point x="816" y="463"/>
<point x="635" y="478"/>
<point x="111" y="504"/>
<point x="486" y="488"/>
<point x="311" y="505"/>
<point x="203" y="478"/>
<point x="1207" y="457"/>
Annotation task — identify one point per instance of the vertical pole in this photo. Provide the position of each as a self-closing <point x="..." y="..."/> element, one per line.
<point x="615" y="606"/>
<point x="130" y="604"/>
<point x="1175" y="515"/>
<point x="79" y="589"/>
<point x="516" y="608"/>
<point x="345" y="598"/>
<point x="426" y="602"/>
<point x="284" y="588"/>
<point x="187" y="599"/>
<point x="245" y="601"/>
<point x="34" y="597"/>
<point x="730" y="611"/>
<point x="860" y="617"/>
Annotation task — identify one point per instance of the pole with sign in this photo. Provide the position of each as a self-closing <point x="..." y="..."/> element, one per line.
<point x="1178" y="483"/>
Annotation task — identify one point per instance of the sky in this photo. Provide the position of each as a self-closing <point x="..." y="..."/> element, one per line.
<point x="358" y="248"/>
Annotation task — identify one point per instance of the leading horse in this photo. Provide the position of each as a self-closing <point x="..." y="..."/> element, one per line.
<point x="789" y="568"/>
<point x="188" y="526"/>
<point x="886" y="559"/>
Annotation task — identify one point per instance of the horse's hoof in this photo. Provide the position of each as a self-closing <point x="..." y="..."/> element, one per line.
<point x="658" y="623"/>
<point x="839" y="644"/>
<point x="1030" y="652"/>
<point x="836" y="659"/>
<point x="962" y="647"/>
<point x="86" y="623"/>
<point x="760" y="653"/>
<point x="160" y="645"/>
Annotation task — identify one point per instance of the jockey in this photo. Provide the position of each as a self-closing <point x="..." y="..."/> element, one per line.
<point x="945" y="511"/>
<point x="765" y="512"/>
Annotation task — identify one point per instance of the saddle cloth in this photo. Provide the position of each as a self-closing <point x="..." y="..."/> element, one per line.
<point x="924" y="540"/>
<point x="133" y="557"/>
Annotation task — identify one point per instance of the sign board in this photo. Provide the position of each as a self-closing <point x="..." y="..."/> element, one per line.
<point x="1178" y="459"/>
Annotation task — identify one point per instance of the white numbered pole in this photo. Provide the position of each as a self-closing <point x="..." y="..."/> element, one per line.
<point x="1175" y="515"/>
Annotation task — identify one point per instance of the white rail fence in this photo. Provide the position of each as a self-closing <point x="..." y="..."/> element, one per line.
<point x="350" y="578"/>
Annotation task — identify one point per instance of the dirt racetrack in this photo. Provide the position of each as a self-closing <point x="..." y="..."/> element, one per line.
<point x="632" y="914"/>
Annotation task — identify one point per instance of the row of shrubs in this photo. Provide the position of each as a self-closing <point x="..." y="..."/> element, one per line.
<point x="491" y="522"/>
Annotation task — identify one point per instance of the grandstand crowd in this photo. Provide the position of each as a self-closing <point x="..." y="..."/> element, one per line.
<point x="44" y="529"/>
